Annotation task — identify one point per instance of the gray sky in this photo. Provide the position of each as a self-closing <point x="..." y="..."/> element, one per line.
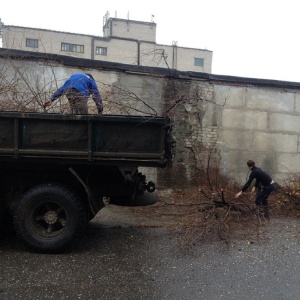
<point x="256" y="38"/>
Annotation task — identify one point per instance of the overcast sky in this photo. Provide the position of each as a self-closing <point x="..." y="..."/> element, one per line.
<point x="255" y="38"/>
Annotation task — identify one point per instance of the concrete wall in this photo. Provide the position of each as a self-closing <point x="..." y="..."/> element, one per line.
<point x="49" y="42"/>
<point x="144" y="31"/>
<point x="241" y="119"/>
<point x="262" y="124"/>
<point x="118" y="50"/>
<point x="135" y="49"/>
<point x="174" y="57"/>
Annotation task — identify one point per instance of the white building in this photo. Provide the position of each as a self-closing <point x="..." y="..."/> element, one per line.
<point x="124" y="41"/>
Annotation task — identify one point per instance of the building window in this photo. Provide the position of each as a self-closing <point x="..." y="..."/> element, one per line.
<point x="32" y="43"/>
<point x="199" y="62"/>
<point x="72" y="48"/>
<point x="101" y="51"/>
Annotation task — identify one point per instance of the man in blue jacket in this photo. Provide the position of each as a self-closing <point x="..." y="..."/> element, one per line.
<point x="78" y="88"/>
<point x="264" y="184"/>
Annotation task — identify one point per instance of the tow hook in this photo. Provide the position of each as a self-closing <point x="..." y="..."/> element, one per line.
<point x="150" y="187"/>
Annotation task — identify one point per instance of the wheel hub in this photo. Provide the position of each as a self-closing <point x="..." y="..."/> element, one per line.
<point x="50" y="217"/>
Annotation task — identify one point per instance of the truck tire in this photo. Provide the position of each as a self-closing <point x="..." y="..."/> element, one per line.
<point x="49" y="217"/>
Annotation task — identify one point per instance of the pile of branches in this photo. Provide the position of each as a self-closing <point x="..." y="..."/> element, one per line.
<point x="211" y="211"/>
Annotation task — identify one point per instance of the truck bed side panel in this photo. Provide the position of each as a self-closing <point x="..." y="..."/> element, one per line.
<point x="101" y="139"/>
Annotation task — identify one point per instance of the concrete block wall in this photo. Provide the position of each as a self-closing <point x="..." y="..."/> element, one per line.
<point x="262" y="124"/>
<point x="240" y="121"/>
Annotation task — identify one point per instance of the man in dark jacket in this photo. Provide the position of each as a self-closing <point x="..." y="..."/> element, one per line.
<point x="264" y="184"/>
<point x="78" y="88"/>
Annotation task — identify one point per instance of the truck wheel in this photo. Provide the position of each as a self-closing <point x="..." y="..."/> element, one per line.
<point x="49" y="217"/>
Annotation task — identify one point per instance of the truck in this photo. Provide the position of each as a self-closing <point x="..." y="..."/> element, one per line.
<point x="57" y="169"/>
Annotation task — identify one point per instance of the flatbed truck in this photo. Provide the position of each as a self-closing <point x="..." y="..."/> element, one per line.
<point x="55" y="170"/>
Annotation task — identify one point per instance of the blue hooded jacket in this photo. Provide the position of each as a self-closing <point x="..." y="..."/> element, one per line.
<point x="85" y="85"/>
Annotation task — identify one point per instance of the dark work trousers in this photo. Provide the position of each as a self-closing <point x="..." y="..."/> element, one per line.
<point x="78" y="103"/>
<point x="262" y="196"/>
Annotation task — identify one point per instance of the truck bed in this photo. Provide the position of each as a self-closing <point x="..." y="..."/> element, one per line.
<point x="82" y="139"/>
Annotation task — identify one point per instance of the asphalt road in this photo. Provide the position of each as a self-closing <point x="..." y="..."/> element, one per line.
<point x="120" y="257"/>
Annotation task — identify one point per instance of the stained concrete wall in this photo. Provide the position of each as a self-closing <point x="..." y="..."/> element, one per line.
<point x="262" y="124"/>
<point x="241" y="119"/>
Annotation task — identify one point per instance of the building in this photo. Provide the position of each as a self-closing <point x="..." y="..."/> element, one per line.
<point x="124" y="41"/>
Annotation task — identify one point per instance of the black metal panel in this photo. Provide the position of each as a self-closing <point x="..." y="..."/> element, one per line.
<point x="127" y="137"/>
<point x="105" y="139"/>
<point x="52" y="134"/>
<point x="6" y="133"/>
